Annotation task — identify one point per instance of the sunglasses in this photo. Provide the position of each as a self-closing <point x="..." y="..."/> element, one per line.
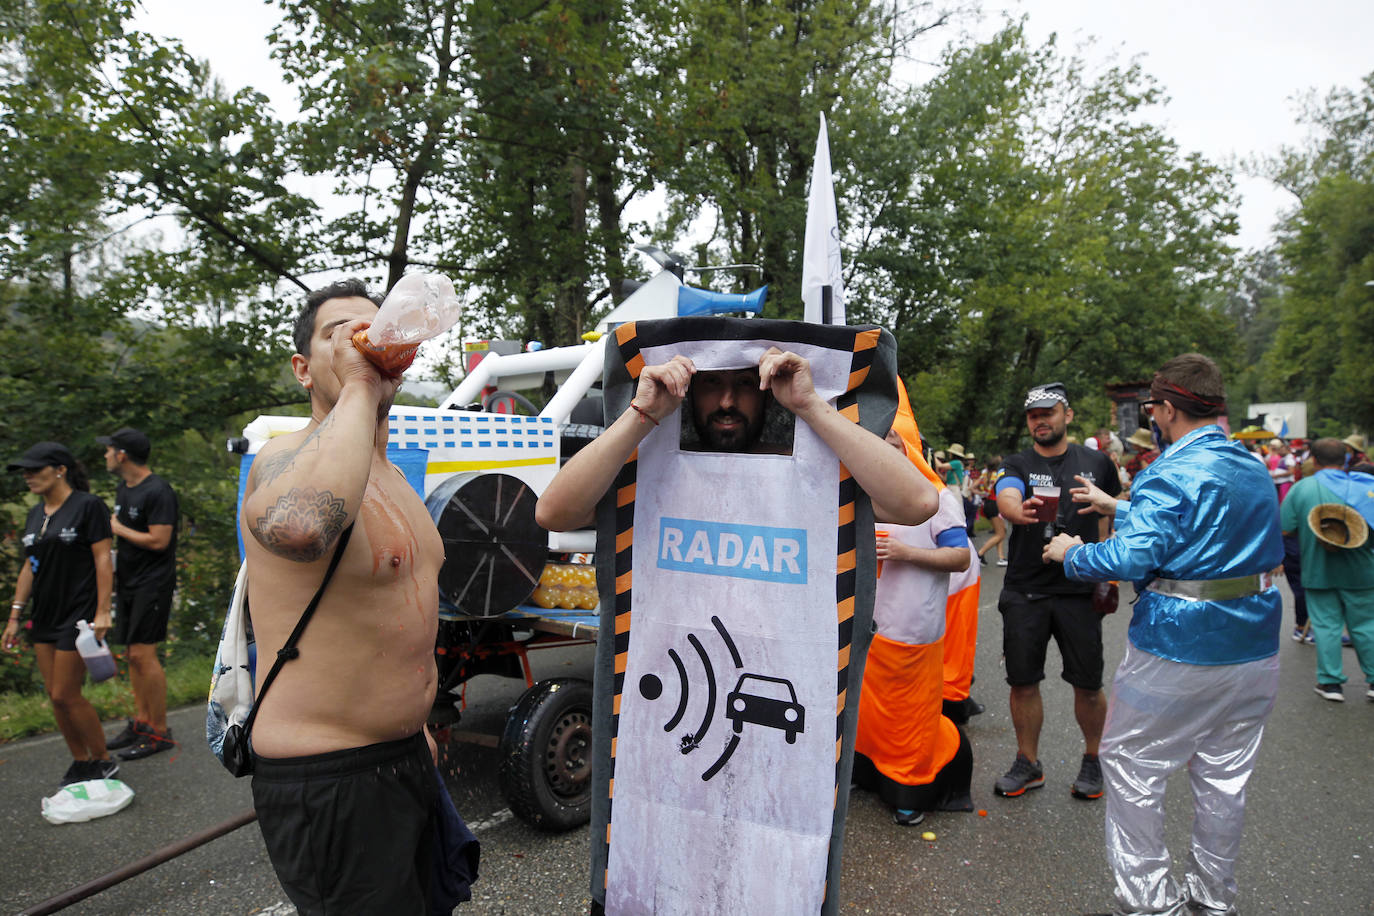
<point x="1149" y="406"/>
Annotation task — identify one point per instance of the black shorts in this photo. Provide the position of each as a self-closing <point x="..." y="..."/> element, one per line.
<point x="59" y="629"/>
<point x="141" y="615"/>
<point x="351" y="831"/>
<point x="989" y="507"/>
<point x="1027" y="625"/>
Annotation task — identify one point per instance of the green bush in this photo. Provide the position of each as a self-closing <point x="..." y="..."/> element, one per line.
<point x="27" y="713"/>
<point x="19" y="671"/>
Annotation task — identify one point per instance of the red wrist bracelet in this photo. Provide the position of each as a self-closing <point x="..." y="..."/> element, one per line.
<point x="643" y="413"/>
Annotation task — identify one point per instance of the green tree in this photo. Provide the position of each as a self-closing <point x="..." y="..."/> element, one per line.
<point x="1050" y="232"/>
<point x="174" y="332"/>
<point x="737" y="134"/>
<point x="1320" y="352"/>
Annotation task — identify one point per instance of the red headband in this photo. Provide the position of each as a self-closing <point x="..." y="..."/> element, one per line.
<point x="1181" y="397"/>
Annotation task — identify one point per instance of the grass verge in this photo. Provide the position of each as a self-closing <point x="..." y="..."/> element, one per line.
<point x="188" y="681"/>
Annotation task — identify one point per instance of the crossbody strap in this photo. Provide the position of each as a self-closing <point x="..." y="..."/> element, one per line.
<point x="289" y="650"/>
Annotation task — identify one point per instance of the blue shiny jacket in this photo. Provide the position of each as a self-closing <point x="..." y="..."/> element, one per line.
<point x="1205" y="509"/>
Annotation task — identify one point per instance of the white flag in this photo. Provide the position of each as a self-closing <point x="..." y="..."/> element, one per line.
<point x="821" y="255"/>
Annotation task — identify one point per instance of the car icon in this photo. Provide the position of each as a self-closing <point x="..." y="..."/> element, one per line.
<point x="763" y="700"/>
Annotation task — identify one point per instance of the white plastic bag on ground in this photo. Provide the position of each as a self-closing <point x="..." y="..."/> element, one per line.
<point x="85" y="801"/>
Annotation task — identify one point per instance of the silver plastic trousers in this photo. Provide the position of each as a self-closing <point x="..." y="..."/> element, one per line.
<point x="1163" y="716"/>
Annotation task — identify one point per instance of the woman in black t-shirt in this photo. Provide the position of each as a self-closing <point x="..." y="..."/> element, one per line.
<point x="68" y="575"/>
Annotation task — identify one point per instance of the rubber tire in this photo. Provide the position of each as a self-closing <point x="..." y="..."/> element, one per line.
<point x="535" y="726"/>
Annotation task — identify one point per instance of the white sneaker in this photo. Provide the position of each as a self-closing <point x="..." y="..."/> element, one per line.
<point x="1002" y="561"/>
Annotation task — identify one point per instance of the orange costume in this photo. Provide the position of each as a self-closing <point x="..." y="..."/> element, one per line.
<point x="961" y="632"/>
<point x="914" y="757"/>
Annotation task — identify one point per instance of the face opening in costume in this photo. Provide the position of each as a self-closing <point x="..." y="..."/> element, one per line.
<point x="728" y="409"/>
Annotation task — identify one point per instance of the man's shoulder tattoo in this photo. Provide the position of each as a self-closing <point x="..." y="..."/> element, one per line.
<point x="302" y="525"/>
<point x="270" y="467"/>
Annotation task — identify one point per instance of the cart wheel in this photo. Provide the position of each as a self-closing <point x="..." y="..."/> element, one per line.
<point x="546" y="755"/>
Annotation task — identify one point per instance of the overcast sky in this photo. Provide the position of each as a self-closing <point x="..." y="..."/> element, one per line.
<point x="1231" y="67"/>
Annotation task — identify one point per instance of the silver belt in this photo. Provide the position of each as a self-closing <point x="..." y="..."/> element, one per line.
<point x="1213" y="589"/>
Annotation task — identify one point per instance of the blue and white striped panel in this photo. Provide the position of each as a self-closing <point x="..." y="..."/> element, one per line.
<point x="468" y="431"/>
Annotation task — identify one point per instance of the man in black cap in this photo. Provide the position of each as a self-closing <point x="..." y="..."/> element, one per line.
<point x="1038" y="601"/>
<point x="145" y="521"/>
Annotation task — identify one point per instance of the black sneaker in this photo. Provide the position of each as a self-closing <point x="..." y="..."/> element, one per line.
<point x="1088" y="785"/>
<point x="1022" y="776"/>
<point x="1331" y="692"/>
<point x="79" y="771"/>
<point x="133" y="730"/>
<point x="907" y="818"/>
<point x="103" y="769"/>
<point x="149" y="743"/>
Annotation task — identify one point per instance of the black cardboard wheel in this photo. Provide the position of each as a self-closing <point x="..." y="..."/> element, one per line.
<point x="494" y="550"/>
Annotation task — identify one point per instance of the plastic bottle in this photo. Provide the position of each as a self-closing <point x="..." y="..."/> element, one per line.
<point x="100" y="664"/>
<point x="419" y="307"/>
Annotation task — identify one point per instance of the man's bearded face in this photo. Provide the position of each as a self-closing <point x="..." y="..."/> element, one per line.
<point x="727" y="408"/>
<point x="1048" y="425"/>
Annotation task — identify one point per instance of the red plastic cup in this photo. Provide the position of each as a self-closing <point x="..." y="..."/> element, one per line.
<point x="881" y="534"/>
<point x="1048" y="510"/>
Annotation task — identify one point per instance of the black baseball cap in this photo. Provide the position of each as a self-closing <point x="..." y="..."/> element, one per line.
<point x="130" y="441"/>
<point x="1047" y="395"/>
<point x="43" y="455"/>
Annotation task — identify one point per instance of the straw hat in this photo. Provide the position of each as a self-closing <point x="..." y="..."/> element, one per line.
<point x="1355" y="441"/>
<point x="1141" y="438"/>
<point x="957" y="451"/>
<point x="1338" y="526"/>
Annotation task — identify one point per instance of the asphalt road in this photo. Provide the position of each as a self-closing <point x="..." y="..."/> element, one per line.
<point x="1309" y="844"/>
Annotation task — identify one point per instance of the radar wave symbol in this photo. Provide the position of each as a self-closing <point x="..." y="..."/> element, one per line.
<point x="651" y="688"/>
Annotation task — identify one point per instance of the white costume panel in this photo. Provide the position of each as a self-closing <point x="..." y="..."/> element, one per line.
<point x="727" y="723"/>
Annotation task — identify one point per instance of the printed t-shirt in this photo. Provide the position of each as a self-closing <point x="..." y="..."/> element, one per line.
<point x="60" y="559"/>
<point x="1026" y="570"/>
<point x="152" y="502"/>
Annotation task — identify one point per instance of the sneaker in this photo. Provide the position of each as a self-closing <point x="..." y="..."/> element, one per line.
<point x="1370" y="692"/>
<point x="1310" y="639"/>
<point x="133" y="730"/>
<point x="1088" y="785"/>
<point x="1298" y="634"/>
<point x="82" y="770"/>
<point x="149" y="743"/>
<point x="982" y="559"/>
<point x="103" y="769"/>
<point x="1022" y="776"/>
<point x="79" y="771"/>
<point x="1346" y="642"/>
<point x="904" y="818"/>
<point x="1001" y="561"/>
<point x="1331" y="692"/>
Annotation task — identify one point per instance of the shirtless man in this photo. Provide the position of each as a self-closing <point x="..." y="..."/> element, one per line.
<point x="344" y="765"/>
